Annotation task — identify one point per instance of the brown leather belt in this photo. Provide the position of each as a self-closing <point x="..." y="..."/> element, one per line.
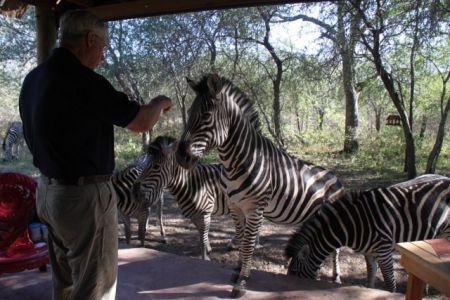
<point x="76" y="181"/>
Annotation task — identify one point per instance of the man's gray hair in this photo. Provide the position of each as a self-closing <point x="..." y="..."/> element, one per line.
<point x="74" y="24"/>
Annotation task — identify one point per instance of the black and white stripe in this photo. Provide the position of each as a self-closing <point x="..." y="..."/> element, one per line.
<point x="198" y="191"/>
<point x="12" y="141"/>
<point x="372" y="222"/>
<point x="129" y="206"/>
<point x="259" y="178"/>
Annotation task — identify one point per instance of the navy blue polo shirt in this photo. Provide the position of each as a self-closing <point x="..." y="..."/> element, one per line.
<point x="68" y="112"/>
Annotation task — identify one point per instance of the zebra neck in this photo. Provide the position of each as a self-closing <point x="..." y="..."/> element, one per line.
<point x="242" y="136"/>
<point x="179" y="177"/>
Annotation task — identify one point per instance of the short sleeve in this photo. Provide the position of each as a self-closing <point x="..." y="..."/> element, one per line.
<point x="110" y="105"/>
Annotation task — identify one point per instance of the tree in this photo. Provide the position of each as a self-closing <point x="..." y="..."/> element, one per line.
<point x="344" y="36"/>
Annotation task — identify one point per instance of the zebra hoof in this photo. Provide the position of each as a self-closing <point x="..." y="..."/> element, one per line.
<point x="232" y="247"/>
<point x="164" y="241"/>
<point x="338" y="280"/>
<point x="234" y="277"/>
<point x="239" y="290"/>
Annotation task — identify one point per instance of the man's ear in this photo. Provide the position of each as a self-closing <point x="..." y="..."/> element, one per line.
<point x="90" y="39"/>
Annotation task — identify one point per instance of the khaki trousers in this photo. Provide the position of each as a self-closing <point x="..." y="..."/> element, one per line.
<point x="83" y="245"/>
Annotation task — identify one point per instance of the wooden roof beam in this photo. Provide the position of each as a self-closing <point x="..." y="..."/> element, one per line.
<point x="145" y="8"/>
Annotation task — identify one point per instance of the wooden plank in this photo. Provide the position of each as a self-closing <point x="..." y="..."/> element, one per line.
<point x="145" y="8"/>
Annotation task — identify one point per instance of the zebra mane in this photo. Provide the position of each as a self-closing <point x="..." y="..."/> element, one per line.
<point x="224" y="85"/>
<point x="157" y="147"/>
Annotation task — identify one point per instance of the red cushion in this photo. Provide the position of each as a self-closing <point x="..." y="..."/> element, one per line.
<point x="17" y="198"/>
<point x="17" y="251"/>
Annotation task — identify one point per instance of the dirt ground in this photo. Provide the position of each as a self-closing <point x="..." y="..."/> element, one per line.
<point x="183" y="239"/>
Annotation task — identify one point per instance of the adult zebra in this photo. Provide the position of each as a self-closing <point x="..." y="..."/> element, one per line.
<point x="128" y="203"/>
<point x="372" y="222"/>
<point x="198" y="191"/>
<point x="259" y="178"/>
<point x="12" y="139"/>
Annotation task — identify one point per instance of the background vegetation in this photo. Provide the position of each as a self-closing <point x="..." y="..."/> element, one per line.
<point x="324" y="77"/>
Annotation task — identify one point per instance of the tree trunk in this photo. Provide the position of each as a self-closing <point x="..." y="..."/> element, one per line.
<point x="346" y="45"/>
<point x="434" y="154"/>
<point x="351" y="144"/>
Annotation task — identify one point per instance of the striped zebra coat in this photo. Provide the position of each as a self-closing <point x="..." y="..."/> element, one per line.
<point x="259" y="178"/>
<point x="198" y="191"/>
<point x="372" y="222"/>
<point x="130" y="206"/>
<point x="12" y="140"/>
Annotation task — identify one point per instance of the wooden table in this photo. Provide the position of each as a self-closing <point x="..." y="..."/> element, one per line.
<point x="426" y="262"/>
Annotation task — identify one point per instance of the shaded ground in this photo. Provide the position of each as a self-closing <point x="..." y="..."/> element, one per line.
<point x="183" y="238"/>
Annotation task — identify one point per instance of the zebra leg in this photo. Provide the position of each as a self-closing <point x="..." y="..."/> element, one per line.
<point x="15" y="151"/>
<point x="386" y="265"/>
<point x="202" y="223"/>
<point x="6" y="150"/>
<point x="336" y="266"/>
<point x="127" y="226"/>
<point x="239" y="224"/>
<point x="160" y="218"/>
<point x="143" y="218"/>
<point x="252" y="226"/>
<point x="371" y="270"/>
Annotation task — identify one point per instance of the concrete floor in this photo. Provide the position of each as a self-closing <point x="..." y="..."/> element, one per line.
<point x="150" y="274"/>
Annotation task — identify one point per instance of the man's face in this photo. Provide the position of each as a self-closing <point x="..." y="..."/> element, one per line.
<point x="97" y="42"/>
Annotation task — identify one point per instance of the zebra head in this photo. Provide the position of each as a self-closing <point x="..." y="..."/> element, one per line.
<point x="157" y="171"/>
<point x="207" y="124"/>
<point x="302" y="261"/>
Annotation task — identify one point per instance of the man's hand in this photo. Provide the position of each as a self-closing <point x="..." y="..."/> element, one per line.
<point x="164" y="102"/>
<point x="149" y="114"/>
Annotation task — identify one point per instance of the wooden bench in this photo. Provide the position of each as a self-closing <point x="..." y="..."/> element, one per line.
<point x="426" y="262"/>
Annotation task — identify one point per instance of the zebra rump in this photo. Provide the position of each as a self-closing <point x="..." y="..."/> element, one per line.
<point x="372" y="222"/>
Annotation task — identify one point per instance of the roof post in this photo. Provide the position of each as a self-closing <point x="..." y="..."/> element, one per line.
<point x="46" y="31"/>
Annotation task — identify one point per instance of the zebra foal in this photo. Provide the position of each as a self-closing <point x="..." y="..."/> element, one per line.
<point x="260" y="179"/>
<point x="128" y="204"/>
<point x="198" y="191"/>
<point x="372" y="222"/>
<point x="11" y="141"/>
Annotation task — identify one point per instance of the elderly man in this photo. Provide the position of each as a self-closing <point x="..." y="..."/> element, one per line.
<point x="68" y="112"/>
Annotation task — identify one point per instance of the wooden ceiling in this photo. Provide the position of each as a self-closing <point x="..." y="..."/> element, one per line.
<point x="127" y="9"/>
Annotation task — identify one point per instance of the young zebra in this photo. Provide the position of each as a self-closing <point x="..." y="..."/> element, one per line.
<point x="372" y="222"/>
<point x="259" y="178"/>
<point x="13" y="137"/>
<point x="128" y="205"/>
<point x="198" y="192"/>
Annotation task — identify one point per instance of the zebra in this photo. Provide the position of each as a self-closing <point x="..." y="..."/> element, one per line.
<point x="128" y="205"/>
<point x="198" y="191"/>
<point x="259" y="178"/>
<point x="11" y="141"/>
<point x="372" y="222"/>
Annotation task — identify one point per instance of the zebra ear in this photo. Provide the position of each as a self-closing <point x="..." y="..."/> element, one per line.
<point x="169" y="149"/>
<point x="192" y="83"/>
<point x="303" y="252"/>
<point x="215" y="84"/>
